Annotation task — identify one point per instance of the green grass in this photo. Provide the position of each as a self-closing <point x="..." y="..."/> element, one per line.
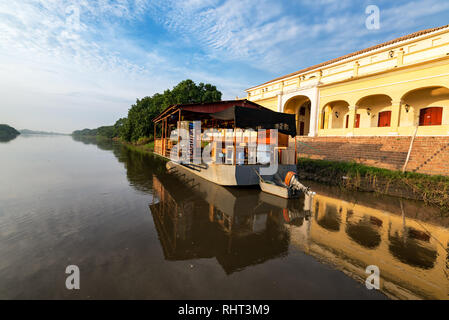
<point x="353" y="168"/>
<point x="149" y="146"/>
<point x="144" y="148"/>
<point x="431" y="189"/>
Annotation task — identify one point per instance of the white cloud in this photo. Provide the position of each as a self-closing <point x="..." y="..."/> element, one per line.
<point x="45" y="60"/>
<point x="266" y="35"/>
<point x="51" y="64"/>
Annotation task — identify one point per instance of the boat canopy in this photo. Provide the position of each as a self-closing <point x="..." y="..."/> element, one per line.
<point x="199" y="111"/>
<point x="258" y="118"/>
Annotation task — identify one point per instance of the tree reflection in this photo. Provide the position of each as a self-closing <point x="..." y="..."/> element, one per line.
<point x="7" y="139"/>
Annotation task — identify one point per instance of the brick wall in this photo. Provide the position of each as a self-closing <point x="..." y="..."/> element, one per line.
<point x="429" y="155"/>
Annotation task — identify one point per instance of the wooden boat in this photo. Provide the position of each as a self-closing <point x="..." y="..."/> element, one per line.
<point x="273" y="188"/>
<point x="276" y="186"/>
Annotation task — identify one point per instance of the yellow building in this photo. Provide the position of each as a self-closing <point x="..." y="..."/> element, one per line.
<point x="391" y="89"/>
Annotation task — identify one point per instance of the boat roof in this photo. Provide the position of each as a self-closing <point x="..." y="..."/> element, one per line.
<point x="210" y="107"/>
<point x="258" y="118"/>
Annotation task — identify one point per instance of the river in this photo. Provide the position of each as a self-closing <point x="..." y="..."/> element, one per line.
<point x="136" y="231"/>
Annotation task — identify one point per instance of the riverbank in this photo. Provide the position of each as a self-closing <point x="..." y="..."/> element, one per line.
<point x="433" y="190"/>
<point x="142" y="145"/>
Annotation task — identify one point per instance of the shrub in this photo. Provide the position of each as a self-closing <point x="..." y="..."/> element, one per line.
<point x="143" y="140"/>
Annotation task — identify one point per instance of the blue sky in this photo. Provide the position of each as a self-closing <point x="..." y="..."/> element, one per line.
<point x="66" y="65"/>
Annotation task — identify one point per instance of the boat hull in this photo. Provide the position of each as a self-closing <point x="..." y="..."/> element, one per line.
<point x="229" y="175"/>
<point x="274" y="189"/>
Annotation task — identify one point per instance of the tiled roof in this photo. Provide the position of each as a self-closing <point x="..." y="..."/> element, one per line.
<point x="403" y="38"/>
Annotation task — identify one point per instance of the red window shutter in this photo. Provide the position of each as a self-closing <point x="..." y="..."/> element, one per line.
<point x="438" y="116"/>
<point x="357" y="120"/>
<point x="431" y="116"/>
<point x="384" y="119"/>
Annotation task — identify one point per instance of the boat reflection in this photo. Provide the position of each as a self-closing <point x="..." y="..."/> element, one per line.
<point x="202" y="220"/>
<point x="243" y="227"/>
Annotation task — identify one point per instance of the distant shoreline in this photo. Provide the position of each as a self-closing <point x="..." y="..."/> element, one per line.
<point x="32" y="132"/>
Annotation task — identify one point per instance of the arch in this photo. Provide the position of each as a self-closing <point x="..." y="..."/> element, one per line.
<point x="331" y="219"/>
<point x="300" y="106"/>
<point x="419" y="100"/>
<point x="334" y="115"/>
<point x="365" y="231"/>
<point x="373" y="109"/>
<point x="412" y="249"/>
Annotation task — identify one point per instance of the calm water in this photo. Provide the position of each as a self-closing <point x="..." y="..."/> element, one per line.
<point x="136" y="231"/>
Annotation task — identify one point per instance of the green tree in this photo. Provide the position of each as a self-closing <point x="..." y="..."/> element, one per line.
<point x="119" y="127"/>
<point x="141" y="114"/>
<point x="7" y="133"/>
<point x="139" y="123"/>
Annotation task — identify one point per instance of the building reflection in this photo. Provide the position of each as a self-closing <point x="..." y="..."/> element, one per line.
<point x="413" y="247"/>
<point x="243" y="227"/>
<point x="365" y="229"/>
<point x="329" y="218"/>
<point x="410" y="254"/>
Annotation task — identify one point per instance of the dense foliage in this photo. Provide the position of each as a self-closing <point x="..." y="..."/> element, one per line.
<point x="139" y="123"/>
<point x="7" y="132"/>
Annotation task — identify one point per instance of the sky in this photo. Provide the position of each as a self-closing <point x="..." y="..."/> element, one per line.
<point x="67" y="65"/>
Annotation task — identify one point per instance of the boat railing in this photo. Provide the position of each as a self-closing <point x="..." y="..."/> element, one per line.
<point x="230" y="150"/>
<point x="163" y="146"/>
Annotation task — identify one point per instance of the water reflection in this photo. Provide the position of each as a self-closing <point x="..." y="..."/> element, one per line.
<point x="329" y="218"/>
<point x="203" y="220"/>
<point x="244" y="227"/>
<point x="364" y="230"/>
<point x="135" y="228"/>
<point x="413" y="247"/>
<point x="7" y="139"/>
<point x="354" y="234"/>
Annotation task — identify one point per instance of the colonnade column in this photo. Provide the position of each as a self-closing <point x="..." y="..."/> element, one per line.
<point x="280" y="102"/>
<point x="313" y="117"/>
<point x="395" y="116"/>
<point x="351" y="120"/>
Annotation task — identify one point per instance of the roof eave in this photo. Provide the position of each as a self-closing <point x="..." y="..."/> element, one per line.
<point x="357" y="54"/>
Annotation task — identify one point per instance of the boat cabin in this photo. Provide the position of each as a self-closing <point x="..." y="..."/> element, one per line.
<point x="236" y="132"/>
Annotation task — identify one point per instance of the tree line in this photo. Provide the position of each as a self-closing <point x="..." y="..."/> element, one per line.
<point x="139" y="122"/>
<point x="7" y="133"/>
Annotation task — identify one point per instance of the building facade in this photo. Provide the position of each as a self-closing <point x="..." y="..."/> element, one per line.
<point x="397" y="88"/>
